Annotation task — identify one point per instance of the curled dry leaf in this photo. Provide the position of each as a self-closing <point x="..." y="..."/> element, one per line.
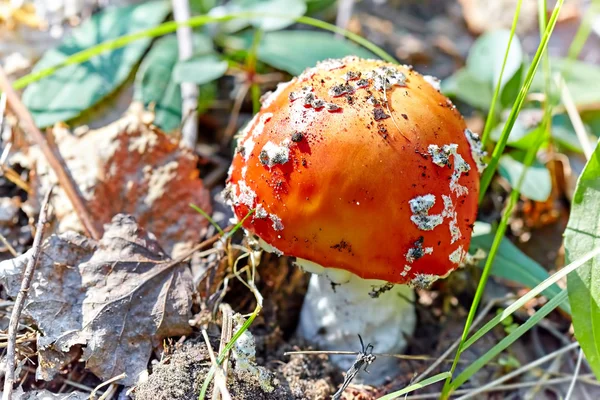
<point x="133" y="168"/>
<point x="117" y="298"/>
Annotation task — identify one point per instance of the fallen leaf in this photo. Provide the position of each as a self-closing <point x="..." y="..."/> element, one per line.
<point x="117" y="298"/>
<point x="133" y="168"/>
<point x="47" y="395"/>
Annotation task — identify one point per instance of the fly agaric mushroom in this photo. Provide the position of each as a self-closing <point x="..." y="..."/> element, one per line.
<point x="366" y="174"/>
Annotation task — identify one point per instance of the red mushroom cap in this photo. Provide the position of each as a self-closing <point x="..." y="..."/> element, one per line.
<point x="360" y="165"/>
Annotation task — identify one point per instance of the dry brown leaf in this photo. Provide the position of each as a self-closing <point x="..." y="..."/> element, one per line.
<point x="117" y="297"/>
<point x="133" y="168"/>
<point x="47" y="395"/>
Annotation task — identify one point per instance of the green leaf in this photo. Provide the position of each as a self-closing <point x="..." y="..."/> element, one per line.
<point x="537" y="184"/>
<point x="582" y="235"/>
<point x="579" y="77"/>
<point x="155" y="85"/>
<point x="200" y="69"/>
<point x="525" y="130"/>
<point x="511" y="263"/>
<point x="291" y="8"/>
<point x="284" y="8"/>
<point x="294" y="51"/>
<point x="315" y="6"/>
<point x="75" y="88"/>
<point x="485" y="58"/>
<point x="416" y="386"/>
<point x="465" y="87"/>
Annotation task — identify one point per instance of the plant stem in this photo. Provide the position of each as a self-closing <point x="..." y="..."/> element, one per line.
<point x="189" y="90"/>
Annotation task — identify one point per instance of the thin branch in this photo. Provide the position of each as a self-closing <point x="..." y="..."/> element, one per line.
<point x="519" y="371"/>
<point x="344" y="14"/>
<point x="569" y="103"/>
<point x="575" y="375"/>
<point x="189" y="91"/>
<point x="106" y="383"/>
<point x="220" y="379"/>
<point x="36" y="250"/>
<point x="454" y="345"/>
<point x="65" y="179"/>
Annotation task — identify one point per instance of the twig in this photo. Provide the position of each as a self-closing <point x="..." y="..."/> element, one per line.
<point x="235" y="113"/>
<point x="454" y="345"/>
<point x="344" y="14"/>
<point x="220" y="380"/>
<point x="567" y="99"/>
<point x="575" y="374"/>
<point x="9" y="247"/>
<point x="108" y="382"/>
<point x="519" y="371"/>
<point x="64" y="177"/>
<point x="510" y="386"/>
<point x="226" y="335"/>
<point x="22" y="295"/>
<point x="189" y="90"/>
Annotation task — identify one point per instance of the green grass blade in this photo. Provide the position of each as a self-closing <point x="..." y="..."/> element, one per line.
<point x="491" y="114"/>
<point x="416" y="386"/>
<point x="228" y="347"/>
<point x="499" y="148"/>
<point x="508" y="340"/>
<point x="208" y="217"/>
<point x="584" y="30"/>
<point x="530" y="295"/>
<point x="194" y="22"/>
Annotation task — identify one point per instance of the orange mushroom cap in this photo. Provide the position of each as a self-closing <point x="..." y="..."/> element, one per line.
<point x="360" y="165"/>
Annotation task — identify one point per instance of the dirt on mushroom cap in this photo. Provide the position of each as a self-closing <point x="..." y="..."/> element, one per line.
<point x="352" y="175"/>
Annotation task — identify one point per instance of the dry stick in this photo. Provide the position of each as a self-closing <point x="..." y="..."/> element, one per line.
<point x="220" y="379"/>
<point x="189" y="91"/>
<point x="519" y="371"/>
<point x="108" y="382"/>
<point x="226" y="335"/>
<point x="344" y="15"/>
<point x="575" y="374"/>
<point x="510" y="386"/>
<point x="454" y="345"/>
<point x="567" y="99"/>
<point x="20" y="300"/>
<point x="65" y="179"/>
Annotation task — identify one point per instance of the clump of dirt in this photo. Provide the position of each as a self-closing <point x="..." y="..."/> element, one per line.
<point x="180" y="377"/>
<point x="310" y="376"/>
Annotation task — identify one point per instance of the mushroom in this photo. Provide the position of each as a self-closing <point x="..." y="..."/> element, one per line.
<point x="368" y="176"/>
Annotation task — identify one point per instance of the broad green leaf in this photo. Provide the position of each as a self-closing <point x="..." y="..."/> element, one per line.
<point x="485" y="58"/>
<point x="511" y="263"/>
<point x="579" y="77"/>
<point x="416" y="386"/>
<point x="294" y="51"/>
<point x="154" y="87"/>
<point x="315" y="6"/>
<point x="154" y="84"/>
<point x="537" y="184"/>
<point x="283" y="8"/>
<point x="75" y="88"/>
<point x="200" y="69"/>
<point x="581" y="236"/>
<point x="465" y="87"/>
<point x="525" y="130"/>
<point x="292" y="8"/>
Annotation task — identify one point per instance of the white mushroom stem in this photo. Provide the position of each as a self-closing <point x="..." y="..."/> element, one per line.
<point x="333" y="315"/>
